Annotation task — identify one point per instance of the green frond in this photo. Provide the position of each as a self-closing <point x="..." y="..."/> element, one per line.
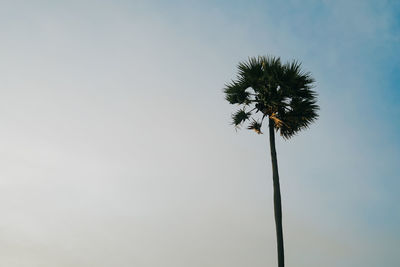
<point x="272" y="66"/>
<point x="251" y="71"/>
<point x="295" y="80"/>
<point x="239" y="117"/>
<point x="235" y="93"/>
<point x="301" y="114"/>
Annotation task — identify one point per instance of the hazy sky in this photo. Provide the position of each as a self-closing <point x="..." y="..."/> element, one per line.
<point x="116" y="147"/>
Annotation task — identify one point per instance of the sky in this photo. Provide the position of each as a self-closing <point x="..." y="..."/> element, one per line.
<point x="117" y="147"/>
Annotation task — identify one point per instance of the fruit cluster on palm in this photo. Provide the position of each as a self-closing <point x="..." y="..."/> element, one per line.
<point x="281" y="93"/>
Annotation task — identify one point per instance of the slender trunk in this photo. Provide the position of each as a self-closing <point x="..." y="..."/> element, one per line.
<point x="277" y="195"/>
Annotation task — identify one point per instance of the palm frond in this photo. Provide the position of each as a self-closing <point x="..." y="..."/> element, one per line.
<point x="240" y="116"/>
<point x="235" y="93"/>
<point x="256" y="126"/>
<point x="251" y="71"/>
<point x="299" y="117"/>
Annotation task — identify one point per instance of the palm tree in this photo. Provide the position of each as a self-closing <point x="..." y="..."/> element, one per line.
<point x="282" y="93"/>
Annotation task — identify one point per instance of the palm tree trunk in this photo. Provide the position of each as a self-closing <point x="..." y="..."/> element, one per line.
<point x="277" y="195"/>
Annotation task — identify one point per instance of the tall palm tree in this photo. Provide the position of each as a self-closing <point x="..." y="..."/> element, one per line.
<point x="282" y="93"/>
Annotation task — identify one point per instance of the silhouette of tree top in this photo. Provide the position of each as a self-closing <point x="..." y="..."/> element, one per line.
<point x="282" y="92"/>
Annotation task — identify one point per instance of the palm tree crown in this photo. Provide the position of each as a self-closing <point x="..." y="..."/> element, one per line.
<point x="283" y="92"/>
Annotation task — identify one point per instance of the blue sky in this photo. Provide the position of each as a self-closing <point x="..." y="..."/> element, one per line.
<point x="117" y="148"/>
